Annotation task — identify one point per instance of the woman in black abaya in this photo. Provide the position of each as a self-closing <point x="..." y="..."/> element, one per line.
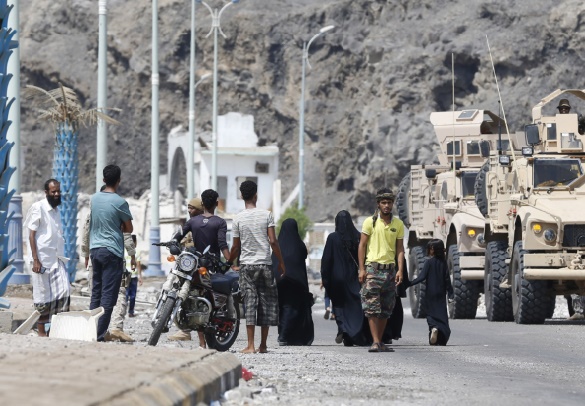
<point x="339" y="273"/>
<point x="438" y="286"/>
<point x="295" y="325"/>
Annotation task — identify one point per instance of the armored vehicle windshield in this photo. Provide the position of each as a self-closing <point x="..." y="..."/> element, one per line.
<point x="467" y="183"/>
<point x="556" y="172"/>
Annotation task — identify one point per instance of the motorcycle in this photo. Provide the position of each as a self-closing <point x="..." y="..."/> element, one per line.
<point x="200" y="293"/>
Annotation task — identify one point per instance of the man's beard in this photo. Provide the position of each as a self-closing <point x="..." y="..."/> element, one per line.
<point x="54" y="201"/>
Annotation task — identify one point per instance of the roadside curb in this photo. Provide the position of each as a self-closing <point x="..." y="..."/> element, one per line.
<point x="70" y="372"/>
<point x="204" y="381"/>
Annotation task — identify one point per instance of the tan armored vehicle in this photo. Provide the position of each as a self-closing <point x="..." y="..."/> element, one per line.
<point x="533" y="200"/>
<point x="435" y="201"/>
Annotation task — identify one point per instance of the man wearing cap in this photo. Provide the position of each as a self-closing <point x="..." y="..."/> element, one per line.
<point x="381" y="258"/>
<point x="195" y="208"/>
<point x="206" y="229"/>
<point x="565" y="108"/>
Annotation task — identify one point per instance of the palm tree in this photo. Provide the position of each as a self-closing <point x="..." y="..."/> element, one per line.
<point x="6" y="46"/>
<point x="62" y="107"/>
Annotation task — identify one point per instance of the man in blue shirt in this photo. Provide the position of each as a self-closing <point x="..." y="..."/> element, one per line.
<point x="110" y="218"/>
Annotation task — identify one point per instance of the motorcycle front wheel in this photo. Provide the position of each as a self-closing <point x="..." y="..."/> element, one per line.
<point x="162" y="320"/>
<point x="226" y="331"/>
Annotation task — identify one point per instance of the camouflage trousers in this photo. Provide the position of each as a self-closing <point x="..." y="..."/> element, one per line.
<point x="378" y="292"/>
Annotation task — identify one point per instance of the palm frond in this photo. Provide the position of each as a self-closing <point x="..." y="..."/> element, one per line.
<point x="62" y="104"/>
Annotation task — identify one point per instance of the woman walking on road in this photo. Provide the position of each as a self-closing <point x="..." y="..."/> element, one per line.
<point x="339" y="275"/>
<point x="295" y="325"/>
<point x="436" y="273"/>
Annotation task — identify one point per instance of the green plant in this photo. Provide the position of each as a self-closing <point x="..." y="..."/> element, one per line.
<point x="303" y="221"/>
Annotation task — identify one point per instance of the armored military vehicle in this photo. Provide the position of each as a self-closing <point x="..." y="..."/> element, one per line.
<point x="532" y="198"/>
<point x="437" y="201"/>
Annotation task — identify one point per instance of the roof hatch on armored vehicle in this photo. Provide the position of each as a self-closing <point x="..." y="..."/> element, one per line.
<point x="467" y="115"/>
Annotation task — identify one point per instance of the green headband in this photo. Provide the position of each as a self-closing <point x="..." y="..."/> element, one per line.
<point x="389" y="196"/>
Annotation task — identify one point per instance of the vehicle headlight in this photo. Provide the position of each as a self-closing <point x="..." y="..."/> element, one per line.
<point x="481" y="240"/>
<point x="537" y="228"/>
<point x="471" y="233"/>
<point x="550" y="235"/>
<point x="187" y="263"/>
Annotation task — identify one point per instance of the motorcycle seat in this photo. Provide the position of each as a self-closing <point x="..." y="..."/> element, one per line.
<point x="223" y="283"/>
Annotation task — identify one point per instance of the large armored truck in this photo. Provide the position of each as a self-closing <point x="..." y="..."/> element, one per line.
<point x="437" y="201"/>
<point x="533" y="200"/>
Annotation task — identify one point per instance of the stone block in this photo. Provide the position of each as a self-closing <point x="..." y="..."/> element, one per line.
<point x="6" y="322"/>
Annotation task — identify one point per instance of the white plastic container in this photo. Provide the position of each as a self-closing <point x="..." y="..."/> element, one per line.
<point x="80" y="325"/>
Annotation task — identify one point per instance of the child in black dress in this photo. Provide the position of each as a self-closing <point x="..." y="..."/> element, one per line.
<point x="436" y="274"/>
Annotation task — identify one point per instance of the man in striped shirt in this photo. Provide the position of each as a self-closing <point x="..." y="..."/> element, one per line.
<point x="254" y="236"/>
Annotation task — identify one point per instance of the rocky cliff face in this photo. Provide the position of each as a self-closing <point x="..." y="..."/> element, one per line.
<point x="374" y="79"/>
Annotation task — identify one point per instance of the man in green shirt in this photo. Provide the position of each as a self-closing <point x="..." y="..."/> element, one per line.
<point x="381" y="257"/>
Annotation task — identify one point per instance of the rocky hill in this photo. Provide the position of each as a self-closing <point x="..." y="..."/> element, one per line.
<point x="375" y="79"/>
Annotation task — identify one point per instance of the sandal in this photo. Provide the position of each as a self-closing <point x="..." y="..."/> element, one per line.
<point x="383" y="348"/>
<point x="374" y="348"/>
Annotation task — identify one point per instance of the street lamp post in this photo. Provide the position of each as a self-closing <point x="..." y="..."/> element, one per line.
<point x="154" y="261"/>
<point x="190" y="152"/>
<point x="306" y="47"/>
<point x="102" y="96"/>
<point x="215" y="29"/>
<point x="191" y="189"/>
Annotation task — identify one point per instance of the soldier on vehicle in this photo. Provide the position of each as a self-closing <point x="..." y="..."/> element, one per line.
<point x="565" y="108"/>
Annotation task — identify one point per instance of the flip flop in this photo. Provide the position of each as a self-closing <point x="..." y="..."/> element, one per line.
<point x="374" y="348"/>
<point x="383" y="348"/>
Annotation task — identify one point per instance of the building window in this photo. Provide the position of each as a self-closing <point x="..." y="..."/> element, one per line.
<point x="241" y="179"/>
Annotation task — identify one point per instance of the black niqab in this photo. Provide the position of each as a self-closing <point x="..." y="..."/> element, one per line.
<point x="438" y="285"/>
<point x="295" y="326"/>
<point x="339" y="273"/>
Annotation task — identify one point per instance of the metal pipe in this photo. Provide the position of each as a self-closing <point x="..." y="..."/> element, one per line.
<point x="472" y="275"/>
<point x="554" y="274"/>
<point x="102" y="96"/>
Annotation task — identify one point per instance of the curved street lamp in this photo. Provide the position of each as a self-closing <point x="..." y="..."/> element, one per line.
<point x="215" y="28"/>
<point x="306" y="47"/>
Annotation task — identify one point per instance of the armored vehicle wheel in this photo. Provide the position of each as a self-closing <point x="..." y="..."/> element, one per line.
<point x="466" y="292"/>
<point x="402" y="200"/>
<point x="498" y="302"/>
<point x="480" y="189"/>
<point x="416" y="261"/>
<point x="531" y="300"/>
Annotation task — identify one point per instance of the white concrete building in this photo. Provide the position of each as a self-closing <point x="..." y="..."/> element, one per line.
<point x="239" y="158"/>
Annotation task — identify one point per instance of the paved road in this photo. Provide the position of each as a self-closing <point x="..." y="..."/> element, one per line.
<point x="484" y="363"/>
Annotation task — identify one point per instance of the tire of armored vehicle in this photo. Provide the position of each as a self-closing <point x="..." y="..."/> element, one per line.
<point x="416" y="295"/>
<point x="402" y="200"/>
<point x="480" y="189"/>
<point x="466" y="292"/>
<point x="498" y="302"/>
<point x="532" y="300"/>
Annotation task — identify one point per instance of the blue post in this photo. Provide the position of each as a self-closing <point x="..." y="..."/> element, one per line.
<point x="66" y="171"/>
<point x="6" y="46"/>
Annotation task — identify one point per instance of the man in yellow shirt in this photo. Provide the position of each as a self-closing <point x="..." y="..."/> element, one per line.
<point x="381" y="258"/>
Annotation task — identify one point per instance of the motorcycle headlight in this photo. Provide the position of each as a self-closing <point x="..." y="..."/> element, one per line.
<point x="187" y="263"/>
<point x="550" y="235"/>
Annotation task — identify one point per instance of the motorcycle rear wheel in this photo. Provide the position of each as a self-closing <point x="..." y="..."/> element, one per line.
<point x="220" y="341"/>
<point x="162" y="320"/>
